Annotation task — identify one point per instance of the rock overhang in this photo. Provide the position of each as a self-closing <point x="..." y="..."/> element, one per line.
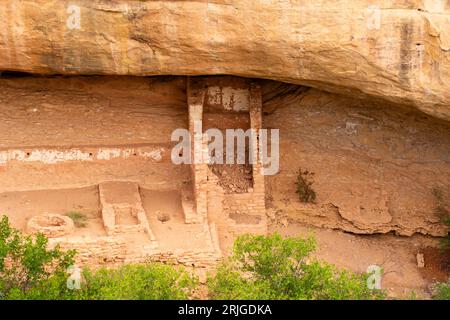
<point x="398" y="51"/>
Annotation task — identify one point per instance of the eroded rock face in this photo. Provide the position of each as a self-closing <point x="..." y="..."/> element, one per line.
<point x="399" y="51"/>
<point x="378" y="168"/>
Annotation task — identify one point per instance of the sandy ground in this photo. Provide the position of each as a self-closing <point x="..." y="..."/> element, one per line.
<point x="163" y="208"/>
<point x="166" y="220"/>
<point x="21" y="206"/>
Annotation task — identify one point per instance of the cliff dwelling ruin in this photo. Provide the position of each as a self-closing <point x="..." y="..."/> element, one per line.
<point x="100" y="147"/>
<point x="117" y="170"/>
<point x="137" y="131"/>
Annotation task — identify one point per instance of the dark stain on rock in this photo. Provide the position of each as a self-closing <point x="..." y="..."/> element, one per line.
<point x="52" y="61"/>
<point x="435" y="73"/>
<point x="407" y="4"/>
<point x="405" y="53"/>
<point x="79" y="57"/>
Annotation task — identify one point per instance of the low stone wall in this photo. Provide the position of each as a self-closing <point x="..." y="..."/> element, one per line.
<point x="194" y="258"/>
<point x="223" y="205"/>
<point x="247" y="203"/>
<point x="93" y="251"/>
<point x="110" y="250"/>
<point x="113" y="250"/>
<point x="189" y="207"/>
<point x="51" y="225"/>
<point x="110" y="209"/>
<point x="240" y="229"/>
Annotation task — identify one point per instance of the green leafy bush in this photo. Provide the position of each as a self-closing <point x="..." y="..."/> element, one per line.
<point x="26" y="263"/>
<point x="272" y="267"/>
<point x="442" y="291"/>
<point x="28" y="270"/>
<point x="152" y="281"/>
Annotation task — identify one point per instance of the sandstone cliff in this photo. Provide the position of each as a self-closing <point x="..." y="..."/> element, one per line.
<point x="398" y="50"/>
<point x="378" y="168"/>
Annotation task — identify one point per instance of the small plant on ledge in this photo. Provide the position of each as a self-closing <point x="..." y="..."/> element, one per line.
<point x="79" y="219"/>
<point x="304" y="188"/>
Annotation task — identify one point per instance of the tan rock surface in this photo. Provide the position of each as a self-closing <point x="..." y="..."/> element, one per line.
<point x="399" y="51"/>
<point x="379" y="168"/>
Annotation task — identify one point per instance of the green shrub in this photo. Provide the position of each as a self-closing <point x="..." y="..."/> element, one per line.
<point x="154" y="281"/>
<point x="304" y="188"/>
<point x="28" y="270"/>
<point x="52" y="288"/>
<point x="26" y="263"/>
<point x="270" y="267"/>
<point x="442" y="291"/>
